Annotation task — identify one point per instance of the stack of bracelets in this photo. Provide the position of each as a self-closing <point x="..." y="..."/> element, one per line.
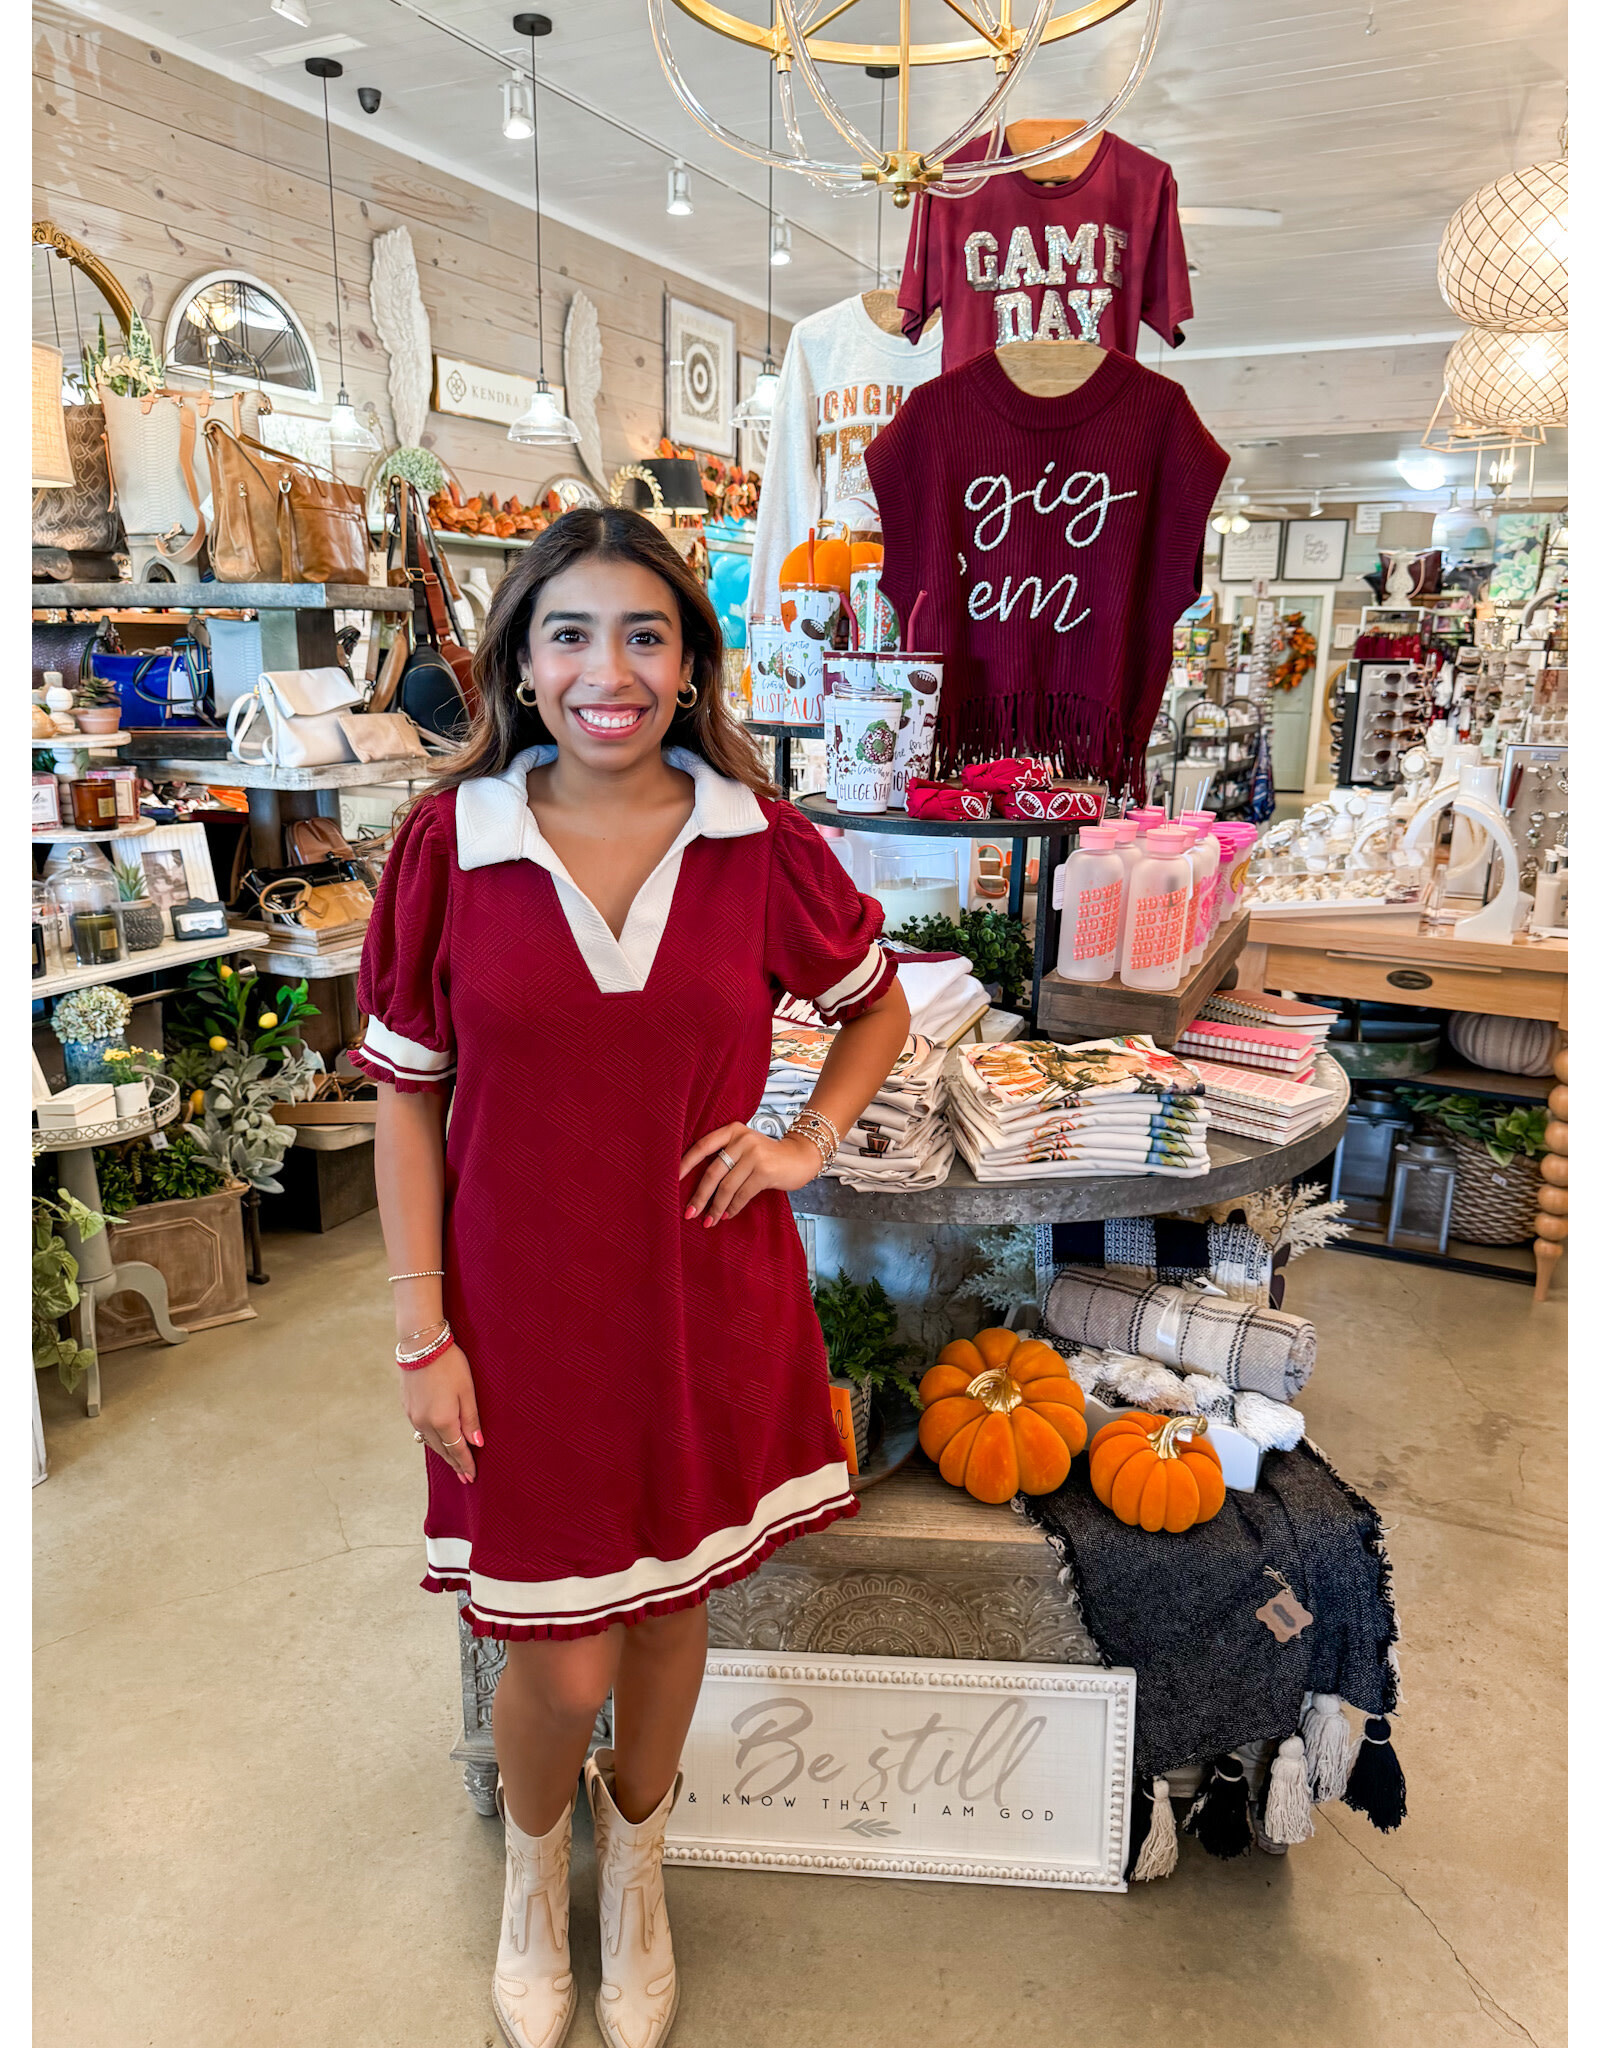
<point x="435" y="1337"/>
<point x="822" y="1132"/>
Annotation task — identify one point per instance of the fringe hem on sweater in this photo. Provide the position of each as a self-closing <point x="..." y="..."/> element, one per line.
<point x="1080" y="739"/>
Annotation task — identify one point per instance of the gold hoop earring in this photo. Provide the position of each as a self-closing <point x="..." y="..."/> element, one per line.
<point x="526" y="694"/>
<point x="688" y="703"/>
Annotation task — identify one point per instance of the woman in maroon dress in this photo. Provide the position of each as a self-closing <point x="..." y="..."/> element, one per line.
<point x="607" y="1341"/>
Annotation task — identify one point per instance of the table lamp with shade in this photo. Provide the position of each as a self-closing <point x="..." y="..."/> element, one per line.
<point x="52" y="459"/>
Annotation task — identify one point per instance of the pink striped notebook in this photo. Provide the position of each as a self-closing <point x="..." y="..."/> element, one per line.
<point x="1250" y="1045"/>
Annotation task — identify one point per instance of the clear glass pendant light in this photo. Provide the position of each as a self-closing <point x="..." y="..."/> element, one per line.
<point x="346" y="428"/>
<point x="544" y="424"/>
<point x="757" y="409"/>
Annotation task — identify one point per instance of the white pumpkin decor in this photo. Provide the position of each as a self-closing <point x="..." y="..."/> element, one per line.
<point x="1507" y="1045"/>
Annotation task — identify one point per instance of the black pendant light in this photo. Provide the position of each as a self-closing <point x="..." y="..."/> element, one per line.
<point x="544" y="424"/>
<point x="346" y="428"/>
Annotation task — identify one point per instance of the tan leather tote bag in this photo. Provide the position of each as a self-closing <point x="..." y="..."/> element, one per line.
<point x="277" y="519"/>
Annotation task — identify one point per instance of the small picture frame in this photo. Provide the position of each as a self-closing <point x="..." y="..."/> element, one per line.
<point x="1314" y="550"/>
<point x="1254" y="554"/>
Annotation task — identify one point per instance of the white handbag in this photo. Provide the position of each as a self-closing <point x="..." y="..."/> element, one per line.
<point x="300" y="708"/>
<point x="381" y="735"/>
<point x="151" y="442"/>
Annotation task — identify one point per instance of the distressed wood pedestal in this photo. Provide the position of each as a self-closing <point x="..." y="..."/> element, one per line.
<point x="921" y="1571"/>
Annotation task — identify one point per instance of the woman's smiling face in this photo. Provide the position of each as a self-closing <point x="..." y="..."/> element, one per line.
<point x="606" y="659"/>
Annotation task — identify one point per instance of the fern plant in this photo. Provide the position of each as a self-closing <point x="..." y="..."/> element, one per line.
<point x="861" y="1330"/>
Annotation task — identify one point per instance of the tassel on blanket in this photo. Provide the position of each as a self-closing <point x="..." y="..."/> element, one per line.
<point x="1287" y="1815"/>
<point x="1138" y="1825"/>
<point x="1220" y="1816"/>
<point x="1328" y="1746"/>
<point x="1273" y="1425"/>
<point x="1158" y="1853"/>
<point x="1141" y="1383"/>
<point x="1212" y="1397"/>
<point x="1377" y="1784"/>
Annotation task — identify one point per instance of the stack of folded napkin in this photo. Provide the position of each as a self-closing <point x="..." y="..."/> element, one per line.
<point x="1031" y="1110"/>
<point x="902" y="1138"/>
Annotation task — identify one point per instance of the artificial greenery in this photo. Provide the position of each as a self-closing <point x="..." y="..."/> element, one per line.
<point x="254" y="1057"/>
<point x="89" y="1014"/>
<point x="135" y="370"/>
<point x="131" y="884"/>
<point x="1007" y="1276"/>
<point x="55" y="1283"/>
<point x="133" y="1175"/>
<point x="419" y="466"/>
<point x="1505" y="1134"/>
<point x="94" y="692"/>
<point x="997" y="945"/>
<point x="860" y="1329"/>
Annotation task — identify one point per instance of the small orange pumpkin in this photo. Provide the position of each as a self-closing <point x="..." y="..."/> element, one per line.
<point x="1001" y="1414"/>
<point x="830" y="567"/>
<point x="865" y="554"/>
<point x="1151" y="1478"/>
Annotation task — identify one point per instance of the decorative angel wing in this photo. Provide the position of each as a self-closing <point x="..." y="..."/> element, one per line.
<point x="402" y="323"/>
<point x="581" y="347"/>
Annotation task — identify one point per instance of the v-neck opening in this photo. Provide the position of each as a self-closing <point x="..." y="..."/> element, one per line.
<point x="629" y="958"/>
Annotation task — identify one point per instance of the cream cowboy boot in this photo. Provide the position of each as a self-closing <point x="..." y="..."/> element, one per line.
<point x="638" y="1993"/>
<point x="534" y="1994"/>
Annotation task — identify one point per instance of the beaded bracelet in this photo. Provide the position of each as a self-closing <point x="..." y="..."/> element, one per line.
<point x="414" y="1361"/>
<point x="433" y="1273"/>
<point x="822" y="1132"/>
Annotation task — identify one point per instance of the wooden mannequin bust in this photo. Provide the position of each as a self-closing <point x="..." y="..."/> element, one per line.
<point x="1050" y="369"/>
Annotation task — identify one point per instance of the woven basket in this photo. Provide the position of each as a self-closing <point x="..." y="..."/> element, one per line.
<point x="1494" y="1204"/>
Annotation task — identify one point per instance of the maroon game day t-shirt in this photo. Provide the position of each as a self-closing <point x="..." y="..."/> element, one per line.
<point x="1056" y="540"/>
<point x="1086" y="260"/>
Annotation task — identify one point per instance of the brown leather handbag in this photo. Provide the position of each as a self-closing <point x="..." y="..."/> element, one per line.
<point x="278" y="519"/>
<point x="314" y="907"/>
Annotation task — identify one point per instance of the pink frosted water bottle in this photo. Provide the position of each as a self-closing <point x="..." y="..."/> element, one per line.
<point x="1158" y="905"/>
<point x="1089" y="892"/>
<point x="1206" y="857"/>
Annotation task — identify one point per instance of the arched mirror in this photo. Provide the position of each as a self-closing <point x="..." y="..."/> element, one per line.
<point x="233" y="330"/>
<point x="76" y="296"/>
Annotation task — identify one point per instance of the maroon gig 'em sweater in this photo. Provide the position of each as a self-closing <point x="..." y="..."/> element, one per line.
<point x="1057" y="540"/>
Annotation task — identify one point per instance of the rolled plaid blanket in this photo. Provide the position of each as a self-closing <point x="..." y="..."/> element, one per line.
<point x="1261" y="1350"/>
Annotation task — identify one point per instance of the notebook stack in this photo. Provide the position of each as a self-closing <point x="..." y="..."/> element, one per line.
<point x="1247" y="1103"/>
<point x="902" y="1138"/>
<point x="1273" y="1013"/>
<point x="1032" y="1110"/>
<point x="1289" y="1053"/>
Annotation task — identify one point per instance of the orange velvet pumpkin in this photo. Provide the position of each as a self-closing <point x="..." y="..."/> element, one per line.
<point x="1001" y="1414"/>
<point x="1151" y="1477"/>
<point x="865" y="554"/>
<point x="831" y="568"/>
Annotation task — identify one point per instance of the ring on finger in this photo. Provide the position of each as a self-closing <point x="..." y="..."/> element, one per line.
<point x="418" y="1438"/>
<point x="451" y="1447"/>
<point x="726" y="1156"/>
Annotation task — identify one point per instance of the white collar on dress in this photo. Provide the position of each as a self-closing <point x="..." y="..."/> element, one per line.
<point x="494" y="822"/>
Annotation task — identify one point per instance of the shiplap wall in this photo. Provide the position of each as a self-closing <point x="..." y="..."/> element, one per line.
<point x="168" y="171"/>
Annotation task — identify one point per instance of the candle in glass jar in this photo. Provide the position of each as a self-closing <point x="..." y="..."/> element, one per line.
<point x="907" y="896"/>
<point x="96" y="937"/>
<point x="94" y="805"/>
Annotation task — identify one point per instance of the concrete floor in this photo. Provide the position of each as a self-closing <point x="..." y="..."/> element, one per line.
<point x="249" y="1830"/>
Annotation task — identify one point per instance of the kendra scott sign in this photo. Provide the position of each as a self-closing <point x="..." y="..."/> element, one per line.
<point x="471" y="392"/>
<point x="909" y="1767"/>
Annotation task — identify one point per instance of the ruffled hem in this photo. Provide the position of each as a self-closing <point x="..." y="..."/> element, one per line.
<point x="668" y="1603"/>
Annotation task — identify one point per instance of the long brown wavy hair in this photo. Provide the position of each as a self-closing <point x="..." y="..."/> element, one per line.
<point x="503" y="726"/>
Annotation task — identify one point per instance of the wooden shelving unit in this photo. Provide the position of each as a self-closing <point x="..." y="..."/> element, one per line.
<point x="172" y="954"/>
<point x="1094" y="1009"/>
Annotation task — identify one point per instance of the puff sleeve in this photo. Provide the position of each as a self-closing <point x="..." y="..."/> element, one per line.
<point x="403" y="988"/>
<point x="822" y="933"/>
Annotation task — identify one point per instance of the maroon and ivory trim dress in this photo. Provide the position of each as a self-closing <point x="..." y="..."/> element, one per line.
<point x="652" y="1394"/>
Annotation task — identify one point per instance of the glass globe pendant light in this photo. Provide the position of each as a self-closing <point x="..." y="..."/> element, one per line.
<point x="544" y="424"/>
<point x="346" y="427"/>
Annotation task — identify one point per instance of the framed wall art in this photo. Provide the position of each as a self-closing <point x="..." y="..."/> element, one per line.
<point x="980" y="1773"/>
<point x="1255" y="552"/>
<point x="1314" y="550"/>
<point x="701" y="369"/>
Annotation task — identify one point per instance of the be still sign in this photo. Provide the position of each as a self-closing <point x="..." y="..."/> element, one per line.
<point x="909" y="1767"/>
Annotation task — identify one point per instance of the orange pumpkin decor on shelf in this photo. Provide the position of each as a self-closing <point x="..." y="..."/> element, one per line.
<point x="1001" y="1414"/>
<point x="866" y="554"/>
<point x="1142" y="1468"/>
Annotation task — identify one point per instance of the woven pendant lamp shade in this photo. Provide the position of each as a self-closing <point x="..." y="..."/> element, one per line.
<point x="52" y="460"/>
<point x="1508" y="380"/>
<point x="1503" y="259"/>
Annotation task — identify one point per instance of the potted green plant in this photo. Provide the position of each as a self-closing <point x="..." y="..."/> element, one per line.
<point x="55" y="1283"/>
<point x="96" y="705"/>
<point x="997" y="945"/>
<point x="89" y="1022"/>
<point x="259" y="1058"/>
<point x="174" y="1208"/>
<point x="1497" y="1152"/>
<point x="142" y="924"/>
<point x="861" y="1330"/>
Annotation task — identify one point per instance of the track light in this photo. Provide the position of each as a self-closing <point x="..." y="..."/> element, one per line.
<point x="293" y="10"/>
<point x="782" y="241"/>
<point x="680" y="195"/>
<point x="516" y="108"/>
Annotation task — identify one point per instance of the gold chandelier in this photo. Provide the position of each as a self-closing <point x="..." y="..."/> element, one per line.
<point x="794" y="41"/>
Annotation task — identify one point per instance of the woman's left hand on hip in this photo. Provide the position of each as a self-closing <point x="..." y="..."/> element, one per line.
<point x="740" y="1164"/>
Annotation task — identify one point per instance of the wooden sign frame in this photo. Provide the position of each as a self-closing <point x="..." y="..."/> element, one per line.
<point x="964" y="1771"/>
